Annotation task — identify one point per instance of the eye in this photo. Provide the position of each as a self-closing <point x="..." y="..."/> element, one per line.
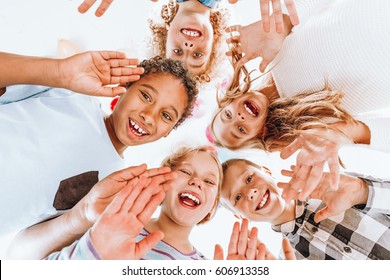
<point x="228" y="114"/>
<point x="188" y="173"/>
<point x="241" y="129"/>
<point x="210" y="182"/>
<point x="167" y="116"/>
<point x="197" y="55"/>
<point x="146" y="96"/>
<point x="237" y="198"/>
<point x="177" y="51"/>
<point x="248" y="179"/>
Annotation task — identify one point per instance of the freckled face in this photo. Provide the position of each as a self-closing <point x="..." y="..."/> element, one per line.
<point x="195" y="191"/>
<point x="149" y="109"/>
<point x="190" y="39"/>
<point x="250" y="193"/>
<point x="242" y="120"/>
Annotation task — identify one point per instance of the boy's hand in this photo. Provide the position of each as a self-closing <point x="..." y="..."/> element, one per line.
<point x="115" y="232"/>
<point x="253" y="42"/>
<point x="91" y="72"/>
<point x="277" y="13"/>
<point x="351" y="191"/>
<point x="240" y="248"/>
<point x="84" y="7"/>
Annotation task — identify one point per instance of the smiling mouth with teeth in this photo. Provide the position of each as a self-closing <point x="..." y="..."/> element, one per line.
<point x="136" y="129"/>
<point x="189" y="199"/>
<point x="191" y="32"/>
<point x="251" y="108"/>
<point x="263" y="201"/>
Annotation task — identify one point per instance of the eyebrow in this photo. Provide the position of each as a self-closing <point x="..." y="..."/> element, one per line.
<point x="157" y="93"/>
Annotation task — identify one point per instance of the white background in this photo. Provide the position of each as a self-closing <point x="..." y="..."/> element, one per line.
<point x="36" y="28"/>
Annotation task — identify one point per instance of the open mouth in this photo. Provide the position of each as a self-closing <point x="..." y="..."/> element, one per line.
<point x="136" y="129"/>
<point x="189" y="32"/>
<point x="251" y="108"/>
<point x="189" y="199"/>
<point x="263" y="201"/>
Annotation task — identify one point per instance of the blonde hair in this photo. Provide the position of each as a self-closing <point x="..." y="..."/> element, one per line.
<point x="287" y="117"/>
<point x="178" y="156"/>
<point x="219" y="21"/>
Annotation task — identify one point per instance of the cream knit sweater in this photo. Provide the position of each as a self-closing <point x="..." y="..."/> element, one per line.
<point x="345" y="43"/>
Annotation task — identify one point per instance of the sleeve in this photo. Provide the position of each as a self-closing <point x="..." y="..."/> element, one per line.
<point x="378" y="194"/>
<point x="379" y="125"/>
<point x="82" y="249"/>
<point x="21" y="92"/>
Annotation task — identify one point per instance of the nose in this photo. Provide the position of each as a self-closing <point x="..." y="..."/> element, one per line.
<point x="188" y="45"/>
<point x="147" y="116"/>
<point x="241" y="116"/>
<point x="251" y="194"/>
<point x="196" y="182"/>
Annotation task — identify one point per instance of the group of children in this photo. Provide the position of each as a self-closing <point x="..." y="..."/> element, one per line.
<point x="69" y="201"/>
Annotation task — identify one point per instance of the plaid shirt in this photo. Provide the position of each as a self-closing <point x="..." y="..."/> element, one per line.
<point x="209" y="3"/>
<point x="358" y="233"/>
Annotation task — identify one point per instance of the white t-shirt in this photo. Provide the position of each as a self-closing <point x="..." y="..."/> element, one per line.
<point x="45" y="140"/>
<point x="345" y="43"/>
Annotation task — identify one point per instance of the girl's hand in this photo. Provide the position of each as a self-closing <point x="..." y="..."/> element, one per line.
<point x="84" y="7"/>
<point x="115" y="232"/>
<point x="315" y="150"/>
<point x="277" y="13"/>
<point x="254" y="42"/>
<point x="91" y="72"/>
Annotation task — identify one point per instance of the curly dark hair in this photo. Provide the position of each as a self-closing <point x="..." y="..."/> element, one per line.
<point x="175" y="68"/>
<point x="219" y="20"/>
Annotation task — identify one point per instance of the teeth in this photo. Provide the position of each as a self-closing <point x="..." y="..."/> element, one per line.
<point x="136" y="129"/>
<point x="249" y="110"/>
<point x="264" y="200"/>
<point x="191" y="33"/>
<point x="192" y="197"/>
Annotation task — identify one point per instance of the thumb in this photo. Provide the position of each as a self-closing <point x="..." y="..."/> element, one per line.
<point x="146" y="244"/>
<point x="263" y="65"/>
<point x="129" y="172"/>
<point x="218" y="252"/>
<point x="323" y="214"/>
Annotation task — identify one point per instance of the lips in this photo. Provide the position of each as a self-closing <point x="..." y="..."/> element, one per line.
<point x="137" y="129"/>
<point x="264" y="200"/>
<point x="251" y="108"/>
<point x="191" y="33"/>
<point x="189" y="199"/>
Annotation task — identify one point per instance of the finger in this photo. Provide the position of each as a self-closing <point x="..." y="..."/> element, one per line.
<point x="291" y="148"/>
<point x="128" y="173"/>
<point x="264" y="10"/>
<point x="127" y="71"/>
<point x="312" y="181"/>
<point x="123" y="80"/>
<point x="323" y="214"/>
<point x="232" y="249"/>
<point x="288" y="250"/>
<point x="301" y="174"/>
<point x="292" y="11"/>
<point x="117" y="203"/>
<point x="334" y="170"/>
<point x="150" y="189"/>
<point x="283" y="185"/>
<point x="218" y="252"/>
<point x="165" y="181"/>
<point x="147" y="244"/>
<point x="243" y="238"/>
<point x="107" y="55"/>
<point x="84" y="7"/>
<point x="135" y="192"/>
<point x="103" y="7"/>
<point x="122" y="62"/>
<point x="278" y="16"/>
<point x="150" y="208"/>
<point x="289" y="194"/>
<point x="233" y="28"/>
<point x="260" y="252"/>
<point x="287" y="173"/>
<point x="263" y="65"/>
<point x="156" y="171"/>
<point x="233" y="40"/>
<point x="252" y="244"/>
<point x="233" y="1"/>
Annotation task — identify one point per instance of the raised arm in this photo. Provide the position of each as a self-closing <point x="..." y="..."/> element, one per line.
<point x="88" y="72"/>
<point x="40" y="240"/>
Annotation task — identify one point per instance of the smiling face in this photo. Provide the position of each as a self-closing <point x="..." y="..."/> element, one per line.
<point x="195" y="191"/>
<point x="242" y="120"/>
<point x="190" y="39"/>
<point x="148" y="110"/>
<point x="248" y="192"/>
